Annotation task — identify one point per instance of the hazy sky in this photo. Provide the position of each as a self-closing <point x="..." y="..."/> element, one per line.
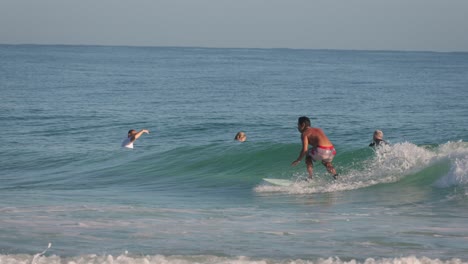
<point x="436" y="25"/>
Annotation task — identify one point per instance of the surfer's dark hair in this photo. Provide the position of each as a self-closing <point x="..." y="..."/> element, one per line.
<point x="303" y="120"/>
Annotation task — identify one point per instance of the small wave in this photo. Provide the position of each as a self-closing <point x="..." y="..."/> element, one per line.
<point x="210" y="259"/>
<point x="458" y="174"/>
<point x="390" y="164"/>
<point x="222" y="165"/>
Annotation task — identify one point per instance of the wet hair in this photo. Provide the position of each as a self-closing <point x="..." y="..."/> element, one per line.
<point x="303" y="120"/>
<point x="130" y="131"/>
<point x="240" y="135"/>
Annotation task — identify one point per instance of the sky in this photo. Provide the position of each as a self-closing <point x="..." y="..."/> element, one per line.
<point x="416" y="25"/>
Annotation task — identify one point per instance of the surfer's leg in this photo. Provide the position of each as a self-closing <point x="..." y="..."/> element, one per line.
<point x="310" y="166"/>
<point x="330" y="168"/>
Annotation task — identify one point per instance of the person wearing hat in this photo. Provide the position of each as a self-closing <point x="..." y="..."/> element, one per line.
<point x="377" y="139"/>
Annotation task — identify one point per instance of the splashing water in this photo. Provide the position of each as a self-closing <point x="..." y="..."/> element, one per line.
<point x="389" y="164"/>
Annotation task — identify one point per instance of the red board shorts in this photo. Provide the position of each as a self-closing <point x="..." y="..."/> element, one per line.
<point x="322" y="153"/>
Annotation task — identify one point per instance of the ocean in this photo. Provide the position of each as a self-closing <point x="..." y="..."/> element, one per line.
<point x="189" y="193"/>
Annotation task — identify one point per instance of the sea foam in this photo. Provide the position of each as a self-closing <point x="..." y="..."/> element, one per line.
<point x="209" y="259"/>
<point x="389" y="164"/>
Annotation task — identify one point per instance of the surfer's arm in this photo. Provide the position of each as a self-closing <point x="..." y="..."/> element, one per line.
<point x="305" y="146"/>
<point x="137" y="135"/>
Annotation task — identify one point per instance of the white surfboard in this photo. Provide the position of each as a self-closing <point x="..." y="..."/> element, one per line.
<point x="279" y="182"/>
<point x="285" y="183"/>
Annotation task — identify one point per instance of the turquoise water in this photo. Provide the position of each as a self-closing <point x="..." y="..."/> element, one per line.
<point x="188" y="193"/>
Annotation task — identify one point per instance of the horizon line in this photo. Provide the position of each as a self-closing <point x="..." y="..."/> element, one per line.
<point x="214" y="47"/>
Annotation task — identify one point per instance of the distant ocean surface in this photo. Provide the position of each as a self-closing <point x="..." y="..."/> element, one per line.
<point x="189" y="193"/>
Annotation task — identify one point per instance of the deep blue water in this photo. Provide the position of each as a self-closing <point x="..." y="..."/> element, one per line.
<point x="189" y="193"/>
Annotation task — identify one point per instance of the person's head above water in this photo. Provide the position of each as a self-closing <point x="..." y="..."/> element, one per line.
<point x="377" y="139"/>
<point x="240" y="136"/>
<point x="378" y="134"/>
<point x="132" y="136"/>
<point x="131" y="132"/>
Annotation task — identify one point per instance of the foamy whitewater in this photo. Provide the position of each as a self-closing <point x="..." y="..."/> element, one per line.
<point x="189" y="193"/>
<point x="391" y="164"/>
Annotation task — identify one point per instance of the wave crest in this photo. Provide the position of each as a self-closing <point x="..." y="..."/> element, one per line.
<point x="389" y="164"/>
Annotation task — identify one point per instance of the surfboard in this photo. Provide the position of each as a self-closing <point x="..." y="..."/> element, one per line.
<point x="278" y="182"/>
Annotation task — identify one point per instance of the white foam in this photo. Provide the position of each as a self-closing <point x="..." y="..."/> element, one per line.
<point x="39" y="255"/>
<point x="457" y="153"/>
<point x="210" y="259"/>
<point x="390" y="163"/>
<point x="453" y="149"/>
<point x="458" y="174"/>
